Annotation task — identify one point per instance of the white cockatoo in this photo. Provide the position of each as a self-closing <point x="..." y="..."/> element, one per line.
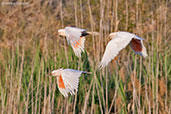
<point x="76" y="38"/>
<point x="67" y="80"/>
<point x="119" y="41"/>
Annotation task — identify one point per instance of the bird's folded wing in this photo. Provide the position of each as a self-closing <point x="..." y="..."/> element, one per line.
<point x="113" y="48"/>
<point x="71" y="80"/>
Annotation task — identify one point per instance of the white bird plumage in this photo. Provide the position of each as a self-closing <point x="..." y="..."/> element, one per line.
<point x="76" y="38"/>
<point x="67" y="80"/>
<point x="119" y="41"/>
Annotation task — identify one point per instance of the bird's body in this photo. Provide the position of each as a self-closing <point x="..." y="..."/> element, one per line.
<point x="76" y="38"/>
<point x="67" y="80"/>
<point x="119" y="41"/>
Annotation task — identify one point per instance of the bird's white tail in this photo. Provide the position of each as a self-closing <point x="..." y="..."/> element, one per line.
<point x="93" y="33"/>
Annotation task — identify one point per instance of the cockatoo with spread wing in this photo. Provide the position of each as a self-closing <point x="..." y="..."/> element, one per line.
<point x="119" y="41"/>
<point x="67" y="80"/>
<point x="76" y="38"/>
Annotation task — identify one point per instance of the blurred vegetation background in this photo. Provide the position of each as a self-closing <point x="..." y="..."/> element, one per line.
<point x="30" y="49"/>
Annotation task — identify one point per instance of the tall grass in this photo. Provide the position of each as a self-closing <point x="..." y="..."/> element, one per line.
<point x="30" y="49"/>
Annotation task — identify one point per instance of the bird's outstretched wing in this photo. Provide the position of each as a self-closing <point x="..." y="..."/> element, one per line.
<point x="68" y="81"/>
<point x="75" y="39"/>
<point x="119" y="42"/>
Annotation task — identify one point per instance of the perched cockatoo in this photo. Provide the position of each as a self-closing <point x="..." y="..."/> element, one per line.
<point x="76" y="38"/>
<point x="119" y="41"/>
<point x="67" y="80"/>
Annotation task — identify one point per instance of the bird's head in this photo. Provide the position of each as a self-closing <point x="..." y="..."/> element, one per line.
<point x="112" y="35"/>
<point x="56" y="72"/>
<point x="61" y="32"/>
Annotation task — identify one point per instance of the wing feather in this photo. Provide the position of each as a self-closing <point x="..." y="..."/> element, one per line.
<point x="113" y="47"/>
<point x="74" y="38"/>
<point x="71" y="80"/>
<point x="79" y="47"/>
<point x="142" y="52"/>
<point x="119" y="41"/>
<point x="73" y="34"/>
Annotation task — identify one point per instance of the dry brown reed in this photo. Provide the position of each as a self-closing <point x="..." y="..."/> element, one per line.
<point x="30" y="49"/>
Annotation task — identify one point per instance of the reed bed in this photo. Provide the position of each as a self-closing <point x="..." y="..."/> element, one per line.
<point x="30" y="49"/>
